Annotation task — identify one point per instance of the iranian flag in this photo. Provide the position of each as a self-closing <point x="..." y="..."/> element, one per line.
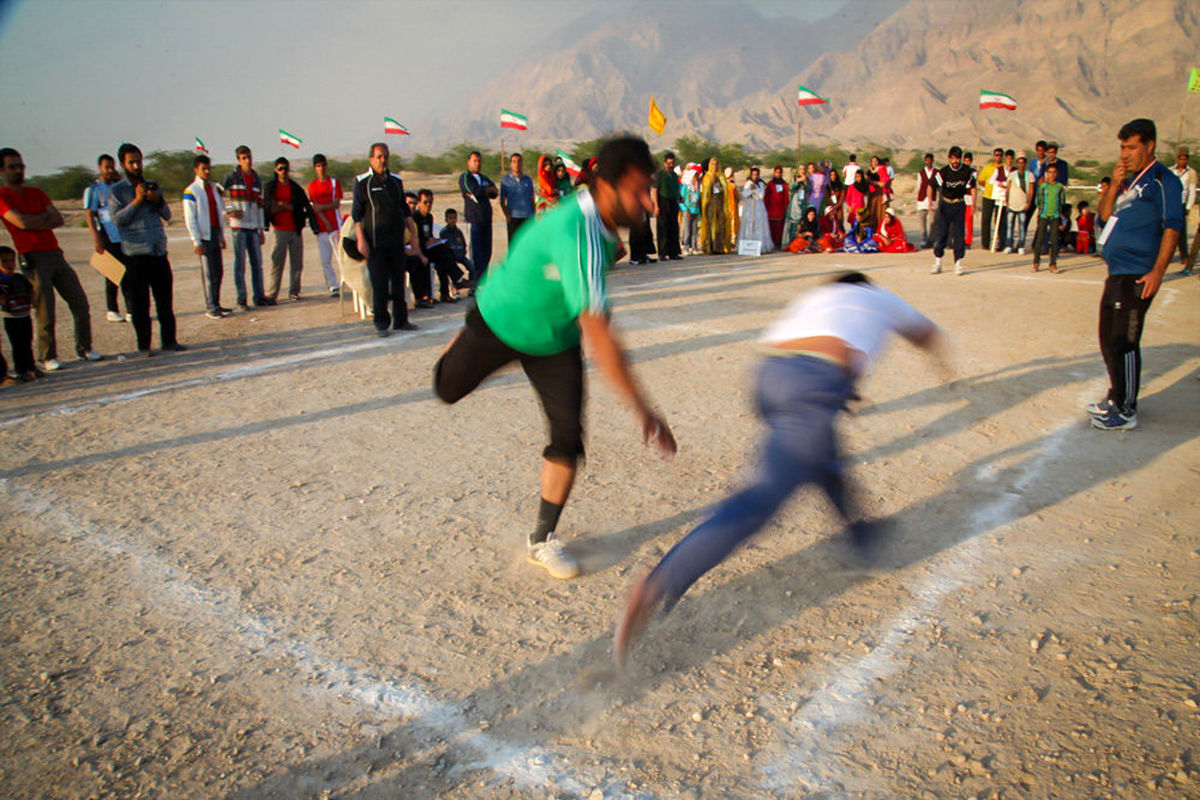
<point x="511" y="119"/>
<point x="200" y="148"/>
<point x="287" y="138"/>
<point x="392" y="126"/>
<point x="807" y="97"/>
<point x="996" y="100"/>
<point x="573" y="169"/>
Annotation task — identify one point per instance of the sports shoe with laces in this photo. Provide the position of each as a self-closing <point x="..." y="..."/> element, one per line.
<point x="51" y="365"/>
<point x="937" y="266"/>
<point x="552" y="556"/>
<point x="1116" y="420"/>
<point x="114" y="316"/>
<point x="958" y="268"/>
<point x="1099" y="409"/>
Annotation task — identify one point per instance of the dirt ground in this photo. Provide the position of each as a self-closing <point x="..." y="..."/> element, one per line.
<point x="275" y="566"/>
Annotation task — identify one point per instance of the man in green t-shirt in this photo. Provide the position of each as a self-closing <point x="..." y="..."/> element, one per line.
<point x="665" y="195"/>
<point x="536" y="307"/>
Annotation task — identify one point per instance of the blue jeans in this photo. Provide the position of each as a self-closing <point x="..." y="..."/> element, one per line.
<point x="798" y="398"/>
<point x="1016" y="229"/>
<point x="246" y="245"/>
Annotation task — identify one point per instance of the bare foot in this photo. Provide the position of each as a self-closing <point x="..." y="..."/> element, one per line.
<point x="642" y="602"/>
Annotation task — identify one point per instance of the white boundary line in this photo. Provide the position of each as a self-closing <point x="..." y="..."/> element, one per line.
<point x="531" y="767"/>
<point x="812" y="756"/>
<point x="250" y="368"/>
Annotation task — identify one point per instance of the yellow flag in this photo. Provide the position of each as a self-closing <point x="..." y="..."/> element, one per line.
<point x="1193" y="86"/>
<point x="658" y="121"/>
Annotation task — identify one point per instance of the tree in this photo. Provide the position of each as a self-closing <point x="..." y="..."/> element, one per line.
<point x="66" y="184"/>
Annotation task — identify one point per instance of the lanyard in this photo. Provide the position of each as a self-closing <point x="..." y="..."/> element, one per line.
<point x="1133" y="183"/>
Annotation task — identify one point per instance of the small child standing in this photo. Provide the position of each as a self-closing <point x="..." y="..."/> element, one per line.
<point x="1085" y="225"/>
<point x="16" y="298"/>
<point x="689" y="201"/>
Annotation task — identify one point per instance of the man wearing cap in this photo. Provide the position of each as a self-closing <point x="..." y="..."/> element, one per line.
<point x="1187" y="176"/>
<point x="1142" y="211"/>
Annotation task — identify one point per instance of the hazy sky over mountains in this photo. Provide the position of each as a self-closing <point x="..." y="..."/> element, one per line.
<point x="81" y="76"/>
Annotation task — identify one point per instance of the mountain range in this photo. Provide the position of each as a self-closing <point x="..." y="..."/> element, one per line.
<point x="901" y="73"/>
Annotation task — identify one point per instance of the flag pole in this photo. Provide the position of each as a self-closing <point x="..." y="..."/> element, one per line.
<point x="502" y="156"/>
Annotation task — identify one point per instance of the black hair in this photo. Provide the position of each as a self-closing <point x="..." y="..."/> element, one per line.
<point x="1082" y="204"/>
<point x="475" y="153"/>
<point x="1012" y="153"/>
<point x="7" y="152"/>
<point x="1106" y="179"/>
<point x="201" y="159"/>
<point x="1142" y="127"/>
<point x="319" y="158"/>
<point x="242" y="150"/>
<point x="105" y="157"/>
<point x="281" y="161"/>
<point x="516" y="155"/>
<point x="125" y="149"/>
<point x="851" y="277"/>
<point x="929" y="156"/>
<point x="955" y="152"/>
<point x="999" y="150"/>
<point x="450" y="211"/>
<point x="854" y="157"/>
<point x="410" y="195"/>
<point x="371" y="149"/>
<point x="1041" y="143"/>
<point x="667" y="155"/>
<point x="426" y="193"/>
<point x="969" y="155"/>
<point x="622" y="154"/>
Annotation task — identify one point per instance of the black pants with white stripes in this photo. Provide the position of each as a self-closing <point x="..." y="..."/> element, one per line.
<point x="1122" y="316"/>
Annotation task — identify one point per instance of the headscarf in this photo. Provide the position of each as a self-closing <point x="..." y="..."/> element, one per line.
<point x="587" y="173"/>
<point x="547" y="193"/>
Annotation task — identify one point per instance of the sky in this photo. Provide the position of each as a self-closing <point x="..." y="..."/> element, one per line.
<point x="82" y="76"/>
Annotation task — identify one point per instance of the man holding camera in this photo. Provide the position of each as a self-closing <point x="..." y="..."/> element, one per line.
<point x="139" y="209"/>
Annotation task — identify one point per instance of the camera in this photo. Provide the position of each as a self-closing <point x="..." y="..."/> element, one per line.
<point x="151" y="186"/>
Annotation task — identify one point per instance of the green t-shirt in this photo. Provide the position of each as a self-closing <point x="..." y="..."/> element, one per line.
<point x="554" y="272"/>
<point x="667" y="183"/>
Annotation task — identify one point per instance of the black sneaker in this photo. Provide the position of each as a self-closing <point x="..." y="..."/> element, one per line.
<point x="383" y="333"/>
<point x="1116" y="420"/>
<point x="214" y="314"/>
<point x="224" y="310"/>
<point x="407" y="326"/>
<point x="266" y="301"/>
<point x="175" y="347"/>
<point x="424" y="304"/>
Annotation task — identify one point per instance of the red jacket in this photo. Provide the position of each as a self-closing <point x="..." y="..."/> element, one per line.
<point x="776" y="198"/>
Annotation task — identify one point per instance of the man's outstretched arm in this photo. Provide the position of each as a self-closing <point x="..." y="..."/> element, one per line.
<point x="602" y="345"/>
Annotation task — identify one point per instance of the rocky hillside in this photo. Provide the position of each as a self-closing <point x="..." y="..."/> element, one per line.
<point x="906" y="75"/>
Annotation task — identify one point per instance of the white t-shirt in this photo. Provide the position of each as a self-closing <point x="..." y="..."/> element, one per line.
<point x="859" y="314"/>
<point x="848" y="173"/>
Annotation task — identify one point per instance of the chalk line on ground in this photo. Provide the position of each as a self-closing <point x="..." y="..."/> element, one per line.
<point x="531" y="767"/>
<point x="251" y="368"/>
<point x="810" y="757"/>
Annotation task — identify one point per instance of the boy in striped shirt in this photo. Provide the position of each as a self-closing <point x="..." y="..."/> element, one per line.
<point x="1050" y="198"/>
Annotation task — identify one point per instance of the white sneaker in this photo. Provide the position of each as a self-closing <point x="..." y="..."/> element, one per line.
<point x="92" y="355"/>
<point x="128" y="317"/>
<point x="1008" y="250"/>
<point x="958" y="268"/>
<point x="115" y="316"/>
<point x="556" y="560"/>
<point x="51" y="365"/>
<point x="937" y="266"/>
<point x="1020" y="251"/>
